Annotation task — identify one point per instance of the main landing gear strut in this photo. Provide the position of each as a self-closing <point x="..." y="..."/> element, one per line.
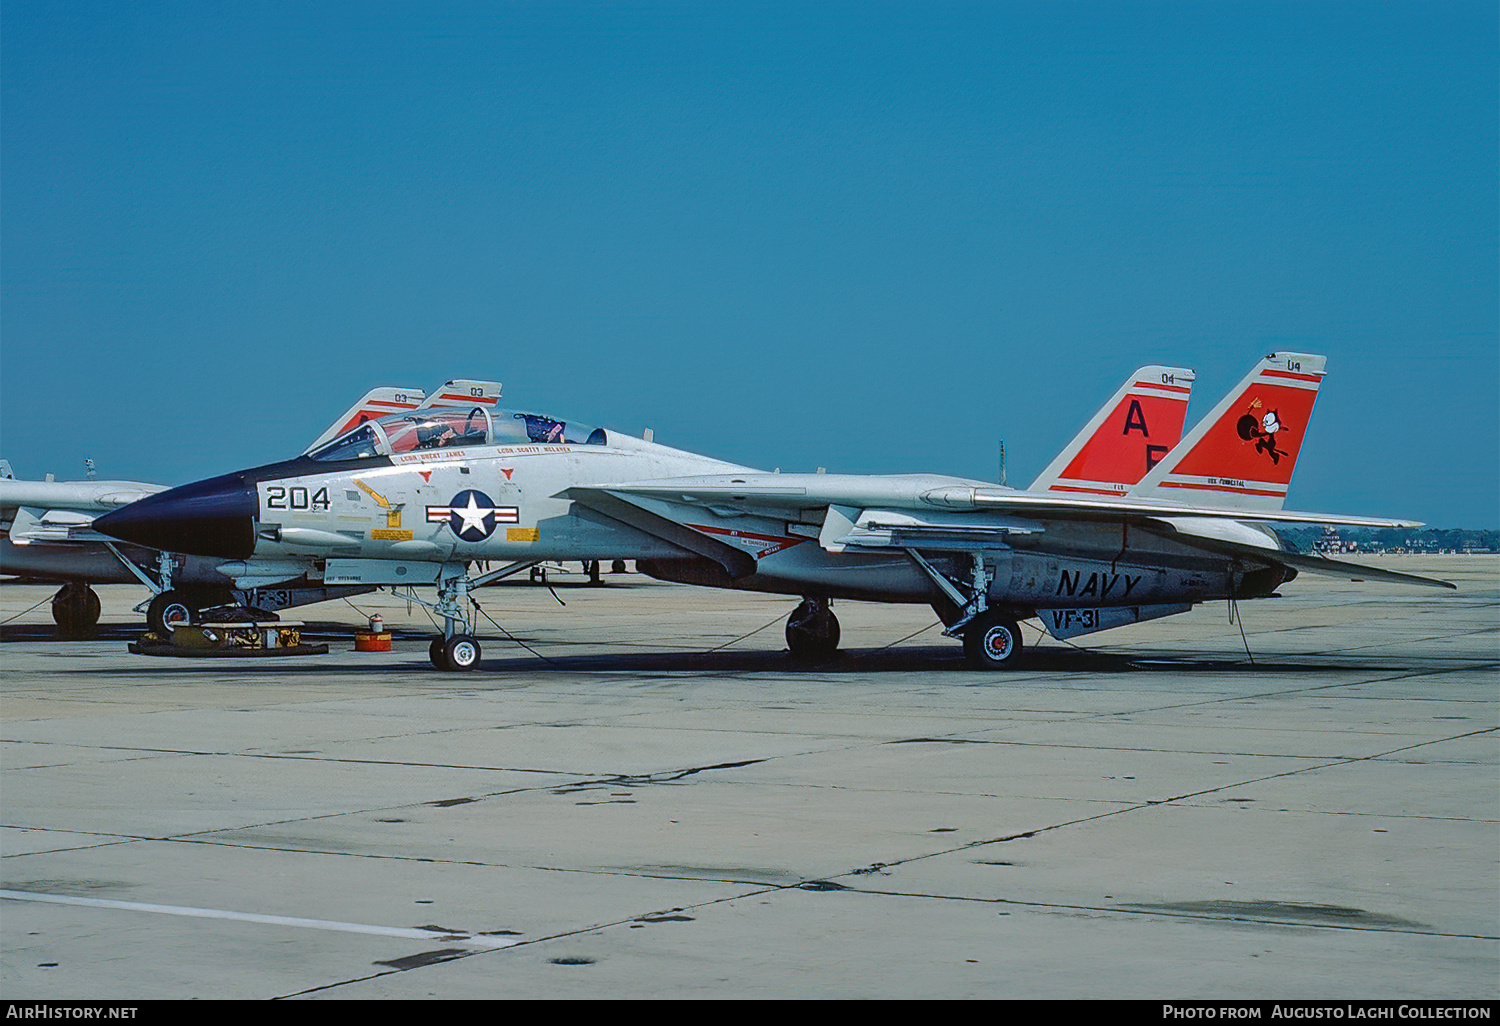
<point x="991" y="637"/>
<point x="169" y="607"/>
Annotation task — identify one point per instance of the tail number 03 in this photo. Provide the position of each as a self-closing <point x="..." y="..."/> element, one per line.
<point x="296" y="497"/>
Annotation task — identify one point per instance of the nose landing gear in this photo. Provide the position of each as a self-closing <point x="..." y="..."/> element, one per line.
<point x="460" y="652"/>
<point x="456" y="648"/>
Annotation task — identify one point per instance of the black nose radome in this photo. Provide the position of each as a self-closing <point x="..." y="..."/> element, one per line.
<point x="215" y="517"/>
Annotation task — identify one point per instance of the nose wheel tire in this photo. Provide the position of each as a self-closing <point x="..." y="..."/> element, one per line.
<point x="993" y="642"/>
<point x="167" y="612"/>
<point x="459" y="652"/>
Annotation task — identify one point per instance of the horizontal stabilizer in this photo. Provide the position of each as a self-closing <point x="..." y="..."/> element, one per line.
<point x="1356" y="571"/>
<point x="1311" y="563"/>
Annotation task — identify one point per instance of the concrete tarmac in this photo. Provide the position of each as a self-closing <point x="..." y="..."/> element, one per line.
<point x="637" y="796"/>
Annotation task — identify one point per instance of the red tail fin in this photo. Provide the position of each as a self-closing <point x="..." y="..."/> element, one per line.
<point x="1127" y="437"/>
<point x="1243" y="452"/>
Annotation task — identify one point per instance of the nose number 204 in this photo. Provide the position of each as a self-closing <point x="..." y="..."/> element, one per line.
<point x="296" y="497"/>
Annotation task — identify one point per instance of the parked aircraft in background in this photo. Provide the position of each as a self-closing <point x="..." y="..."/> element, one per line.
<point x="46" y="533"/>
<point x="394" y="502"/>
<point x="36" y="515"/>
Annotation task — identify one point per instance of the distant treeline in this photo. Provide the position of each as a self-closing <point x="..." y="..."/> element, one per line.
<point x="1309" y="539"/>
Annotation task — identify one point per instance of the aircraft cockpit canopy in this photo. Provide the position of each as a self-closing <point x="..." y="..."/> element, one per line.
<point x="453" y="428"/>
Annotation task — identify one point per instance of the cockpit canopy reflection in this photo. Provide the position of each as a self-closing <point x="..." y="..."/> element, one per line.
<point x="400" y="433"/>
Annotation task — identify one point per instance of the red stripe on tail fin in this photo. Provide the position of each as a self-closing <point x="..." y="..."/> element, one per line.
<point x="464" y="392"/>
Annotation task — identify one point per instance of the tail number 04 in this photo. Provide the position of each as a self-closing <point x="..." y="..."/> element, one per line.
<point x="296" y="497"/>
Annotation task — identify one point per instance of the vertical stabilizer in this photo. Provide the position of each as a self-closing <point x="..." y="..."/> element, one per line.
<point x="377" y="402"/>
<point x="1127" y="437"/>
<point x="1241" y="455"/>
<point x="463" y="392"/>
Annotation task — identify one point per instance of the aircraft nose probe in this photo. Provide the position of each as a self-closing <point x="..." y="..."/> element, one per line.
<point x="213" y="518"/>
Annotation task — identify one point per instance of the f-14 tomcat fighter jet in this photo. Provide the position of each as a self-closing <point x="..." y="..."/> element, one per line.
<point x="415" y="500"/>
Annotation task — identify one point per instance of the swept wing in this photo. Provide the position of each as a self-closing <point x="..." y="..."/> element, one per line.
<point x="928" y="511"/>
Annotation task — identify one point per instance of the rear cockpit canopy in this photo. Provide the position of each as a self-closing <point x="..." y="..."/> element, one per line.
<point x="453" y="428"/>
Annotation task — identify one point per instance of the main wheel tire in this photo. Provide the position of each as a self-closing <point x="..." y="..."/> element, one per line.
<point x="167" y="612"/>
<point x="993" y="642"/>
<point x="461" y="652"/>
<point x="812" y="631"/>
<point x="435" y="652"/>
<point x="75" y="610"/>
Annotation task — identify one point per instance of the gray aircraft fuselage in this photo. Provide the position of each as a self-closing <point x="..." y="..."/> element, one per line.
<point x="403" y="518"/>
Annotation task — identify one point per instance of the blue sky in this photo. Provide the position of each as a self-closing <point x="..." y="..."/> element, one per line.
<point x="871" y="237"/>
